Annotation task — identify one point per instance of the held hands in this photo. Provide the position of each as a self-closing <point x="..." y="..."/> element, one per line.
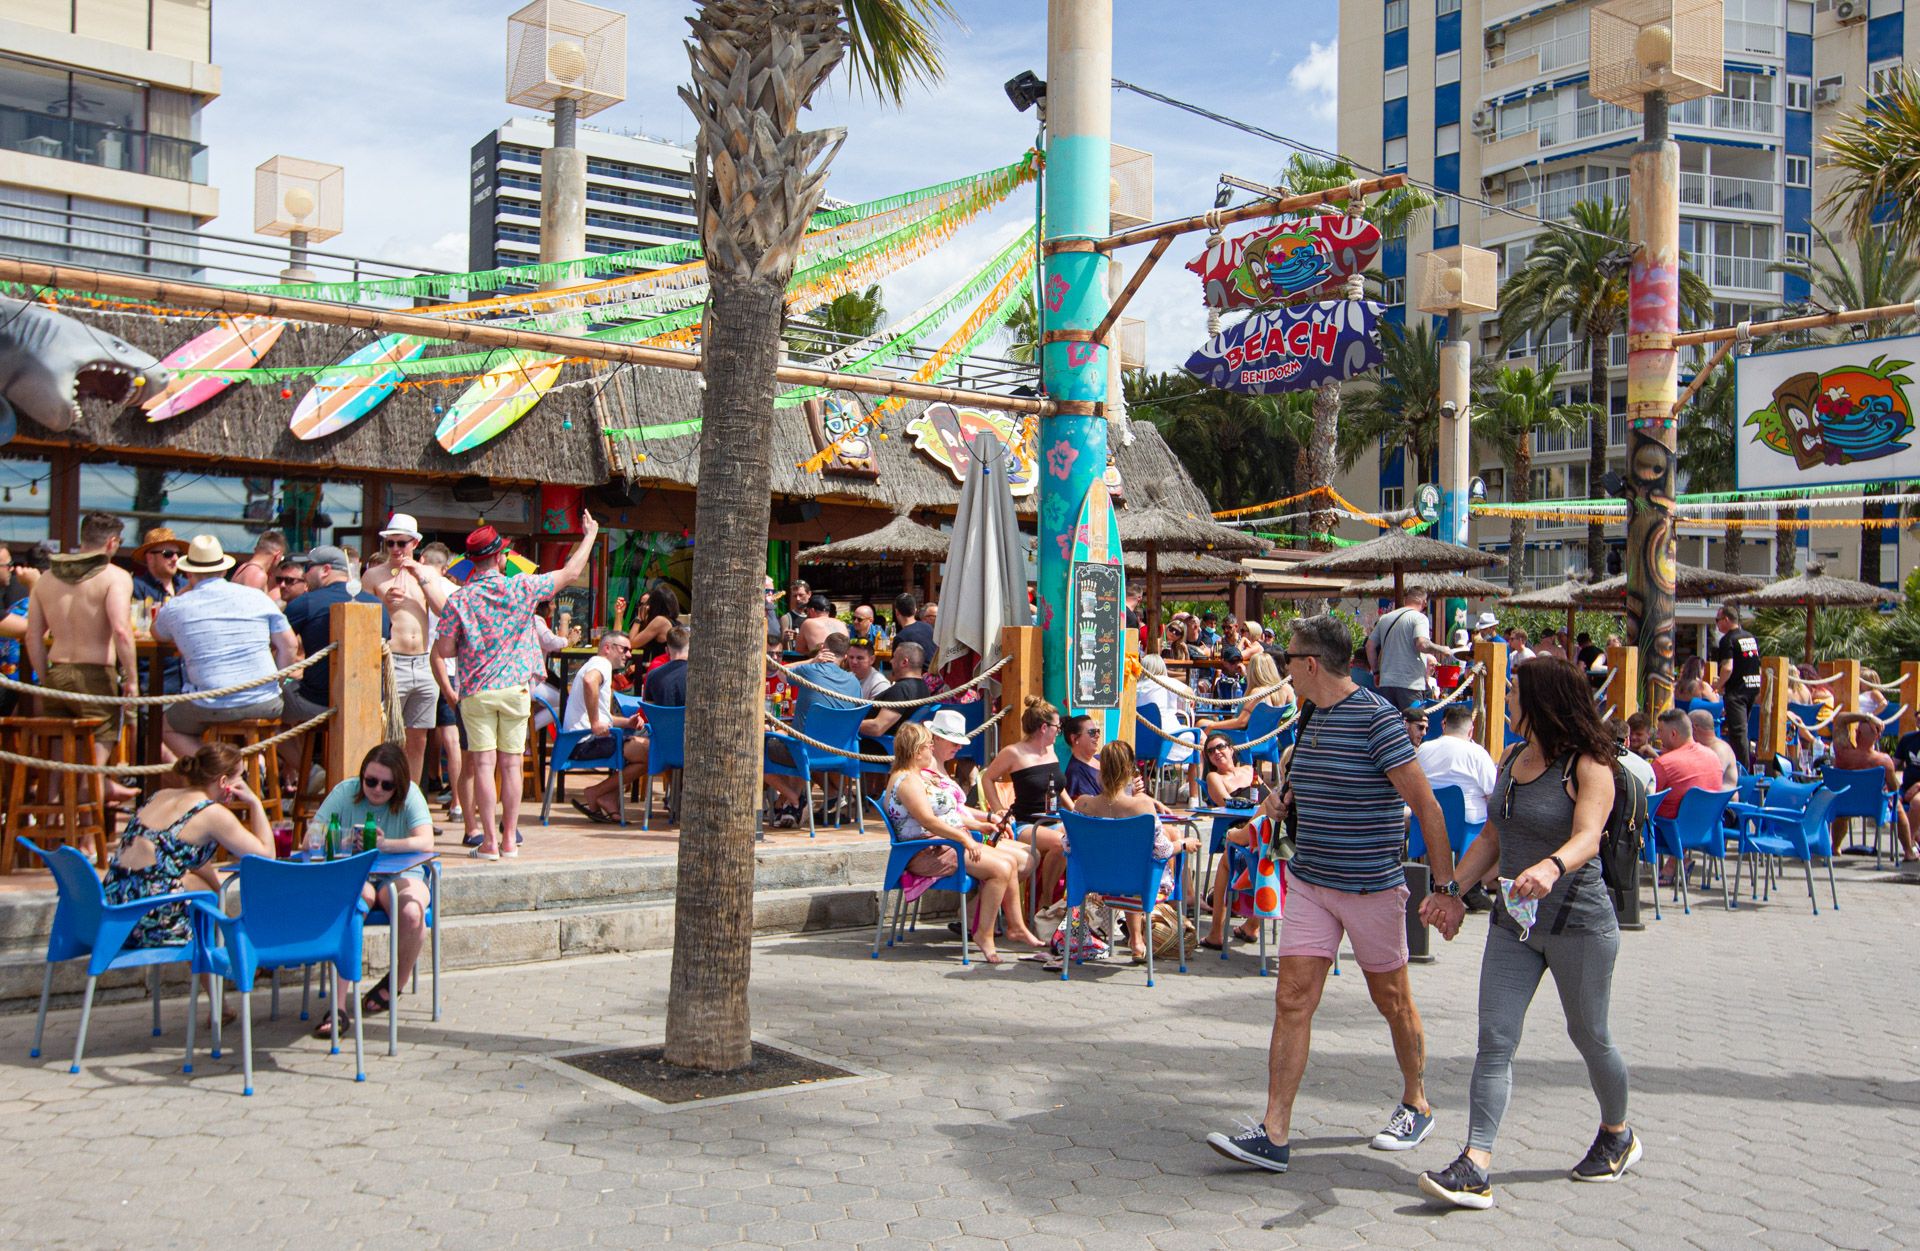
<point x="1443" y="913"/>
<point x="1536" y="881"/>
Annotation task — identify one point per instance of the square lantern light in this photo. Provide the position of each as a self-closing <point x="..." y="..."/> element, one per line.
<point x="564" y="50"/>
<point x="292" y="197"/>
<point x="1130" y="342"/>
<point x="1637" y="47"/>
<point x="1130" y="193"/>
<point x="1459" y="279"/>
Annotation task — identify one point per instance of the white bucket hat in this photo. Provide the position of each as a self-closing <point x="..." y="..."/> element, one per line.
<point x="950" y="725"/>
<point x="402" y="526"/>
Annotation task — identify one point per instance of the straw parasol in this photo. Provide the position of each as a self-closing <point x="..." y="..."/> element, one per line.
<point x="1814" y="589"/>
<point x="1397" y="552"/>
<point x="1561" y="595"/>
<point x="902" y="539"/>
<point x="1440" y="585"/>
<point x="1689" y="582"/>
<point x="1156" y="529"/>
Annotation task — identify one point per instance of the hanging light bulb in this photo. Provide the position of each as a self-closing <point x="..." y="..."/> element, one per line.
<point x="33" y="488"/>
<point x="6" y="497"/>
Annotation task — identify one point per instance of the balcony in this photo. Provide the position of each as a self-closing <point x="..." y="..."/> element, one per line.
<point x="1592" y="122"/>
<point x="1739" y="272"/>
<point x="1720" y="113"/>
<point x="1558" y="205"/>
<point x="1748" y="195"/>
<point x="109" y="147"/>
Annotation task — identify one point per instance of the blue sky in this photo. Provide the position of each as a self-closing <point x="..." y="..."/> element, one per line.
<point x="399" y="92"/>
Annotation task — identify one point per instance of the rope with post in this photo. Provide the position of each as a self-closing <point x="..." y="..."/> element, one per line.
<point x="1186" y="692"/>
<point x="781" y="727"/>
<point x="153" y="770"/>
<point x="82" y="697"/>
<point x="1463" y="688"/>
<point x="939" y="697"/>
<point x="1274" y="733"/>
<point x="1601" y="694"/>
<point x="1898" y="685"/>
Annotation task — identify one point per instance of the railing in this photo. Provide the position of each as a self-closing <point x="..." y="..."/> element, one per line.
<point x="1742" y="272"/>
<point x="1558" y="204"/>
<point x="1588" y="123"/>
<point x="110" y="147"/>
<point x="1553" y="54"/>
<point x="1721" y="113"/>
<point x="1715" y="191"/>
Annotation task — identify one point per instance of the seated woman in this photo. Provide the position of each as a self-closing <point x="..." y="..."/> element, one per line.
<point x="1264" y="686"/>
<point x="170" y="843"/>
<point x="1230" y="782"/>
<point x="384" y="791"/>
<point x="1175" y="702"/>
<point x="1692" y="683"/>
<point x="1240" y="835"/>
<point x="923" y="802"/>
<point x="1120" y="796"/>
<point x="1872" y="702"/>
<point x="1033" y="770"/>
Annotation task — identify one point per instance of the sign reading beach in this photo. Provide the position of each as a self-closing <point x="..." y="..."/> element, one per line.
<point x="1827" y="415"/>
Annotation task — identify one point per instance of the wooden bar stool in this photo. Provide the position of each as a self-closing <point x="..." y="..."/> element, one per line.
<point x="263" y="768"/>
<point x="78" y="811"/>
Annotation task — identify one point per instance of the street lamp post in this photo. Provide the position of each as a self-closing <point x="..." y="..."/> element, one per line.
<point x="1648" y="55"/>
<point x="303" y="202"/>
<point x="1456" y="281"/>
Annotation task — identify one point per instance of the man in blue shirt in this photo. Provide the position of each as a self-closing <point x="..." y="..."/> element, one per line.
<point x="227" y="634"/>
<point x="157" y="579"/>
<point x="311" y="617"/>
<point x="823" y="670"/>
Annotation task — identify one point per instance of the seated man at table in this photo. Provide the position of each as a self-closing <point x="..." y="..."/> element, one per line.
<point x="1681" y="766"/>
<point x="1454" y="759"/>
<point x="909" y="682"/>
<point x="860" y="665"/>
<point x="823" y="670"/>
<point x="820" y="623"/>
<point x="228" y="635"/>
<point x="590" y="708"/>
<point x="1703" y="733"/>
<point x="1856" y="745"/>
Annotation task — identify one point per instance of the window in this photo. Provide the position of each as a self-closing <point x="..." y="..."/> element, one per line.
<point x="1799" y="244"/>
<point x="1446" y="140"/>
<point x="110" y="122"/>
<point x="1446" y="69"/>
<point x="1396" y="83"/>
<point x="1443" y="7"/>
<point x="1799" y="17"/>
<point x="1393" y="291"/>
<point x="1558" y="482"/>
<point x="1396" y="15"/>
<point x="1753" y="26"/>
<point x="1392" y="499"/>
<point x="1396" y="153"/>
<point x="1884" y="8"/>
<point x="1446" y="212"/>
<point x="1496" y="480"/>
<point x="1799" y="171"/>
<point x="1882" y="78"/>
<point x="1799" y="93"/>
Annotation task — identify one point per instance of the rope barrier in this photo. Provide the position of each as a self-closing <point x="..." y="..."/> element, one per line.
<point x="1884" y="686"/>
<point x="152" y="770"/>
<point x="1601" y="694"/>
<point x="82" y="697"/>
<point x="1831" y="677"/>
<point x="1274" y="733"/>
<point x="940" y="697"/>
<point x="1183" y="692"/>
<point x="1453" y="696"/>
<point x="781" y="727"/>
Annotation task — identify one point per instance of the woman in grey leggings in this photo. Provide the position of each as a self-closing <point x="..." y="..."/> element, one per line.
<point x="1545" y="815"/>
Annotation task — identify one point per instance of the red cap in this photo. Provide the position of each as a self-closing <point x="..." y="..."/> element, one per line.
<point x="484" y="542"/>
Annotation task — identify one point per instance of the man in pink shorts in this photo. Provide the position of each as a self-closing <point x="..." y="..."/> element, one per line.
<point x="1352" y="769"/>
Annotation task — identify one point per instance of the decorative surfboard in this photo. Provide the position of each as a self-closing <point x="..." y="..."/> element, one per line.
<point x="338" y="399"/>
<point x="1096" y="611"/>
<point x="1288" y="258"/>
<point x="499" y="398"/>
<point x="236" y="343"/>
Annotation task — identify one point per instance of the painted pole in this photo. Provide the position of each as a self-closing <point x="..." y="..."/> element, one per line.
<point x="1455" y="447"/>
<point x="1072" y="449"/>
<point x="1653" y="319"/>
<point x="563" y="194"/>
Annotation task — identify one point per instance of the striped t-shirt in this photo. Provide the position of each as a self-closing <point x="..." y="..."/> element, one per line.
<point x="1352" y="823"/>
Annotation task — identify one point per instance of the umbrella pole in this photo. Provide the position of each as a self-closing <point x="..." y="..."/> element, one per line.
<point x="1570" y="615"/>
<point x="1399" y="585"/>
<point x="1809" y="633"/>
<point x="1153" y="597"/>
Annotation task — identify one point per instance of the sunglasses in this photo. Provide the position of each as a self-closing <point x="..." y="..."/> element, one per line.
<point x="370" y="783"/>
<point x="290" y="579"/>
<point x="167" y="555"/>
<point x="1287" y="658"/>
<point x="396" y="543"/>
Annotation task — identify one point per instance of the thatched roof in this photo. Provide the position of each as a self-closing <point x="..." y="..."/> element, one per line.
<point x="1399" y="551"/>
<point x="1167" y="530"/>
<point x="1558" y="596"/>
<point x="1814" y="589"/>
<point x="1183" y="565"/>
<point x="1456" y="585"/>
<point x="900" y="540"/>
<point x="1689" y="582"/>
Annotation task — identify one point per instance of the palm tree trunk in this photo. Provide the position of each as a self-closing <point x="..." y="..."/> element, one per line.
<point x="1519" y="491"/>
<point x="1782" y="548"/>
<point x="1731" y="545"/>
<point x="1320" y="457"/>
<point x="1870" y="539"/>
<point x="1597" y="447"/>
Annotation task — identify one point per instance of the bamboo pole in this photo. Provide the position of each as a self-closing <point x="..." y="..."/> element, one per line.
<point x="1790" y="324"/>
<point x="1120" y="301"/>
<point x="1247" y="212"/>
<point x="392" y="321"/>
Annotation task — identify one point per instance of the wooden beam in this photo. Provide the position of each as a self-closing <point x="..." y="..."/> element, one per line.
<point x="393" y="321"/>
<point x="1127" y="292"/>
<point x="1700" y="376"/>
<point x="1493" y="706"/>
<point x="1247" y="212"/>
<point x="359" y="717"/>
<point x="1787" y="325"/>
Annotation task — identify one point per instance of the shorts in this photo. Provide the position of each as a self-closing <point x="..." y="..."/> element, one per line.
<point x="1375" y="922"/>
<point x="778" y="753"/>
<point x="592" y="748"/>
<point x="416" y="691"/>
<point x="445" y="714"/>
<point x="297" y="709"/>
<point x="1401" y="697"/>
<point x="194" y="718"/>
<point x="84" y="679"/>
<point x="496" y="720"/>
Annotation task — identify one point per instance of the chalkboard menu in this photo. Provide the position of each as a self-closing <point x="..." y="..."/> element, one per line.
<point x="1096" y="644"/>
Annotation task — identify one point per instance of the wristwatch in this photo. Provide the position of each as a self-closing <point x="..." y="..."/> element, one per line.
<point x="1449" y="889"/>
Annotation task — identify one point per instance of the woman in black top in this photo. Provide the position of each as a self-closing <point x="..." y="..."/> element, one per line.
<point x="659" y="613"/>
<point x="1032" y="769"/>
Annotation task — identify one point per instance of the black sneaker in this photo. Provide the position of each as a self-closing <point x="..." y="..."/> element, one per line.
<point x="1252" y="1146"/>
<point x="1461" y="1183"/>
<point x="1610" y="1156"/>
<point x="1406" y="1129"/>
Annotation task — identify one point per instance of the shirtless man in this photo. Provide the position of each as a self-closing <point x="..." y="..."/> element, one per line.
<point x="410" y="590"/>
<point x="257" y="570"/>
<point x="1856" y="739"/>
<point x="819" y="623"/>
<point x="87" y="606"/>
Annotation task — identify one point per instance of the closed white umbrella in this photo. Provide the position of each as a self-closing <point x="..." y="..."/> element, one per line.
<point x="986" y="578"/>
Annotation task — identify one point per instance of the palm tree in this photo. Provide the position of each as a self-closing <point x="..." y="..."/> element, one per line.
<point x="1514" y="404"/>
<point x="1021" y="331"/>
<point x="758" y="176"/>
<point x="1578" y="271"/>
<point x="1879" y="273"/>
<point x="1706" y="445"/>
<point x="1239" y="449"/>
<point x="850" y="316"/>
<point x="1402" y="408"/>
<point x="1877" y="150"/>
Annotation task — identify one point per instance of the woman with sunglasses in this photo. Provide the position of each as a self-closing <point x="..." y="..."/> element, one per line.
<point x="1545" y="815"/>
<point x="384" y="791"/>
<point x="1032" y="768"/>
<point x="659" y="613"/>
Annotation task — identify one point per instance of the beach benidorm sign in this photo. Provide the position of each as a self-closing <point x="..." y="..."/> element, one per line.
<point x="1291" y="257"/>
<point x="1291" y="349"/>
<point x="1827" y="415"/>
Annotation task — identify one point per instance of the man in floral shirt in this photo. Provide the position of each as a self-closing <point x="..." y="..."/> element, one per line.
<point x="487" y="626"/>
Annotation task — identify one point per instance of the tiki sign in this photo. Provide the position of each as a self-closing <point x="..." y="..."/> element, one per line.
<point x="1826" y="415"/>
<point x="834" y="421"/>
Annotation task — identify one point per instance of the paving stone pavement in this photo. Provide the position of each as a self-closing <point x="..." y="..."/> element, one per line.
<point x="1773" y="1058"/>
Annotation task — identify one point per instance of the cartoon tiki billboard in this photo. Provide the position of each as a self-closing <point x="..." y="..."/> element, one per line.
<point x="1827" y="415"/>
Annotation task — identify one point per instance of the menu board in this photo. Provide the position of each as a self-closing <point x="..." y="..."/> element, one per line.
<point x="1097" y="647"/>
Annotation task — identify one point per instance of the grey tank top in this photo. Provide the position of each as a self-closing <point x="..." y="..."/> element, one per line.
<point x="1535" y="823"/>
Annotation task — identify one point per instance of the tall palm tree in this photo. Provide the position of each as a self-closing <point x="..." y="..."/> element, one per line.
<point x="1021" y="330"/>
<point x="1706" y="437"/>
<point x="1877" y="149"/>
<point x="757" y="177"/>
<point x="1239" y="449"/>
<point x="849" y="316"/>
<point x="1512" y="405"/>
<point x="1578" y="271"/>
<point x="1401" y="408"/>
<point x="1877" y="273"/>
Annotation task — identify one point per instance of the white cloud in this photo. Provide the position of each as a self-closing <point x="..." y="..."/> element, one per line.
<point x="1317" y="76"/>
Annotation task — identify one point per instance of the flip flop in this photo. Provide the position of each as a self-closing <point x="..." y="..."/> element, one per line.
<point x="375" y="1001"/>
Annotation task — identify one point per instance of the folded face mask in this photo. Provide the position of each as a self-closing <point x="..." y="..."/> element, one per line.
<point x="1523" y="911"/>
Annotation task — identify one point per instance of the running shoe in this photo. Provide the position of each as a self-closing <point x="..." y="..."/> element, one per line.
<point x="1252" y="1146"/>
<point x="1406" y="1129"/>
<point x="1461" y="1183"/>
<point x="1610" y="1156"/>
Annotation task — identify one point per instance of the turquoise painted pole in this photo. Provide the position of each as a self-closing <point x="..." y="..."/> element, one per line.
<point x="1072" y="448"/>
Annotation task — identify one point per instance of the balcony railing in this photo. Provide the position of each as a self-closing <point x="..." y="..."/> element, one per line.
<point x="1558" y="204"/>
<point x="1554" y="54"/>
<point x="110" y="147"/>
<point x="1742" y="272"/>
<point x="1716" y="191"/>
<point x="1720" y="113"/>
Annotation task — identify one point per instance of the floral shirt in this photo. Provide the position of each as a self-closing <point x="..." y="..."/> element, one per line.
<point x="490" y="621"/>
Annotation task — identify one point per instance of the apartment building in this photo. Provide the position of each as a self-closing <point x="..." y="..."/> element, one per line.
<point x="100" y="155"/>
<point x="1489" y="98"/>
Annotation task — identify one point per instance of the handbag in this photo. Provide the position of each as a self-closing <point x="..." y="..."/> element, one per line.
<point x="1167" y="923"/>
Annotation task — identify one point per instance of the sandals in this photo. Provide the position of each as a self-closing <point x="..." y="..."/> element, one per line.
<point x="600" y="816"/>
<point x="376" y="1000"/>
<point x="325" y="1028"/>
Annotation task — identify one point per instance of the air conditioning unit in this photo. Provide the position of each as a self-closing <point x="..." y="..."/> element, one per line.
<point x="1849" y="11"/>
<point x="1483" y="120"/>
<point x="1827" y="95"/>
<point x="1496" y="38"/>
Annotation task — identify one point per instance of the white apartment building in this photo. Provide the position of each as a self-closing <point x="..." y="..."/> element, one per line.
<point x="1489" y="98"/>
<point x="100" y="155"/>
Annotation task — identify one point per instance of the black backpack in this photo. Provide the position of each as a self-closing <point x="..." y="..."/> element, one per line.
<point x="1625" y="831"/>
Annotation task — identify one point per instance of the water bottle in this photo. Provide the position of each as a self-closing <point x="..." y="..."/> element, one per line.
<point x="333" y="835"/>
<point x="370" y="835"/>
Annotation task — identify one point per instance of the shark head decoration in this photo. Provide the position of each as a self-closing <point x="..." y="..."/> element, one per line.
<point x="49" y="362"/>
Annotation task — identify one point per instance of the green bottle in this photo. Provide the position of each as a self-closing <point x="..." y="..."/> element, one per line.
<point x="370" y="835"/>
<point x="333" y="835"/>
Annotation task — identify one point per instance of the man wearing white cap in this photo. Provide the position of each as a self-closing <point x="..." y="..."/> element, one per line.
<point x="410" y="590"/>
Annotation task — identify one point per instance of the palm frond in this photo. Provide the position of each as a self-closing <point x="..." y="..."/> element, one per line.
<point x="893" y="44"/>
<point x="1877" y="150"/>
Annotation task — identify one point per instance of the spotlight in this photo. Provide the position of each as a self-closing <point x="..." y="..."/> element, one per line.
<point x="1613" y="484"/>
<point x="1223" y="197"/>
<point x="1026" y="89"/>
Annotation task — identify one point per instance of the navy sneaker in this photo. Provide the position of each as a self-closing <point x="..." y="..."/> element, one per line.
<point x="1461" y="1183"/>
<point x="1252" y="1146"/>
<point x="473" y="840"/>
<point x="1610" y="1156"/>
<point x="1406" y="1129"/>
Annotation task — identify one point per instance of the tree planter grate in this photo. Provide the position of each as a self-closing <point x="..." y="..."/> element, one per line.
<point x="644" y="1071"/>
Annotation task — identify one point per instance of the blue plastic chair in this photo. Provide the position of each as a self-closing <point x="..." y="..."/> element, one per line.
<point x="1460" y="834"/>
<point x="875" y="768"/>
<point x="85" y="924"/>
<point x="1717" y="707"/>
<point x="1113" y="858"/>
<point x="292" y="914"/>
<point x="974" y="713"/>
<point x="1154" y="747"/>
<point x="1649" y="853"/>
<point x="1793" y="835"/>
<point x="960" y="882"/>
<point x="565" y="743"/>
<point x="666" y="750"/>
<point x="1862" y="793"/>
<point x="1697" y="826"/>
<point x="377" y="917"/>
<point x="836" y="727"/>
<point x="1262" y="718"/>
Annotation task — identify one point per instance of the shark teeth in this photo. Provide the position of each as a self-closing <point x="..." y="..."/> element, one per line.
<point x="103" y="380"/>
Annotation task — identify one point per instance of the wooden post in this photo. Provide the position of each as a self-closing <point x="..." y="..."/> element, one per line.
<point x="1845" y="691"/>
<point x="1130" y="689"/>
<point x="1021" y="677"/>
<point x="1493" y="704"/>
<point x="359" y="718"/>
<point x="1622" y="699"/>
<point x="1908" y="694"/>
<point x="1774" y="671"/>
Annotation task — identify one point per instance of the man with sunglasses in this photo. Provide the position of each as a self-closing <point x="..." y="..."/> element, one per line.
<point x="157" y="579"/>
<point x="410" y="590"/>
<point x="1351" y="768"/>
